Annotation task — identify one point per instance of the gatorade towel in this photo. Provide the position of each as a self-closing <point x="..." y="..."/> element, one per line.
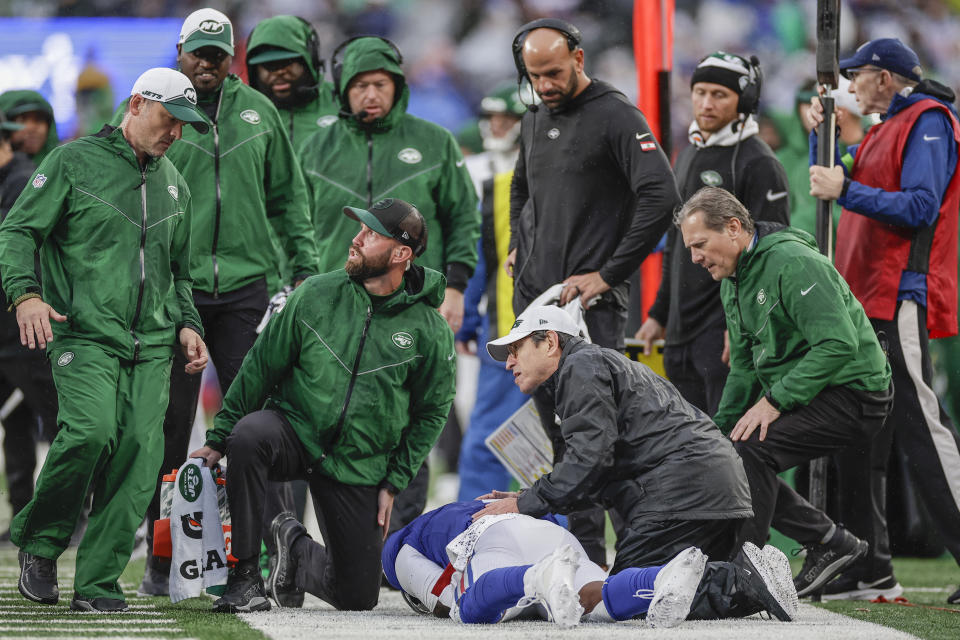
<point x="199" y="558"/>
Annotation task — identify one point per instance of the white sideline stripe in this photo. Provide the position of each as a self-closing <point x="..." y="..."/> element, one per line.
<point x="103" y="630"/>
<point x="75" y="617"/>
<point x="943" y="441"/>
<point x="26" y="613"/>
<point x="112" y="637"/>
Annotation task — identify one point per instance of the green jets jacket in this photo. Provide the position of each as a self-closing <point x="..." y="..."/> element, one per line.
<point x="244" y="178"/>
<point x="348" y="163"/>
<point x="290" y="32"/>
<point x="114" y="245"/>
<point x="794" y="326"/>
<point x="367" y="388"/>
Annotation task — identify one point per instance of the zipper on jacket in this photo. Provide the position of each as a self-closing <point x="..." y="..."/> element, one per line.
<point x="369" y="169"/>
<point x="219" y="203"/>
<point x="353" y="379"/>
<point x="143" y="267"/>
<point x="291" y="126"/>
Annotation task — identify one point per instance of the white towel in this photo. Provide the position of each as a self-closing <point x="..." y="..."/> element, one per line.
<point x="199" y="556"/>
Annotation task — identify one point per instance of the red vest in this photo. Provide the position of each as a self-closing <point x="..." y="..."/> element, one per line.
<point x="872" y="255"/>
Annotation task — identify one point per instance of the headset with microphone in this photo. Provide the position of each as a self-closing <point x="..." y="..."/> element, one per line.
<point x="569" y="31"/>
<point x="749" y="102"/>
<point x="313" y="51"/>
<point x="336" y="71"/>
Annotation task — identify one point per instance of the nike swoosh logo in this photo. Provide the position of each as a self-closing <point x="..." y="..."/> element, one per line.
<point x="861" y="585"/>
<point x="772" y="197"/>
<point x="929" y="138"/>
<point x="460" y="163"/>
<point x="641" y="137"/>
<point x="804" y="292"/>
<point x="450" y="357"/>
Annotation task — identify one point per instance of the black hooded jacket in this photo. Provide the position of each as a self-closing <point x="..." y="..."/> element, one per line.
<point x="592" y="191"/>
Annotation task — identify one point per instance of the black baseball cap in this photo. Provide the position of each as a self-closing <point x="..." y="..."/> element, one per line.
<point x="396" y="219"/>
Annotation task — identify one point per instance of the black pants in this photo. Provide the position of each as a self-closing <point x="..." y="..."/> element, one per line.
<point x="837" y="418"/>
<point x="36" y="415"/>
<point x="346" y="571"/>
<point x="696" y="370"/>
<point x="926" y="435"/>
<point x="647" y="542"/>
<point x="230" y="329"/>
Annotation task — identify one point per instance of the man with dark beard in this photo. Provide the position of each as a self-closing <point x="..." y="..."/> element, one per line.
<point x="350" y="401"/>
<point x="284" y="64"/>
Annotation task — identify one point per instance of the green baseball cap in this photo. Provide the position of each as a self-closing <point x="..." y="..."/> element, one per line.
<point x="9" y="125"/>
<point x="269" y="53"/>
<point x="206" y="28"/>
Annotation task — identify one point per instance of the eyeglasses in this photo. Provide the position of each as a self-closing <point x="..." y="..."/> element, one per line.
<point x="853" y="74"/>
<point x="514" y="348"/>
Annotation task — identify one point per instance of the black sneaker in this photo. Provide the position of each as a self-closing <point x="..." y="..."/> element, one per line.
<point x="752" y="591"/>
<point x="826" y="561"/>
<point x="156" y="581"/>
<point x="97" y="605"/>
<point x="955" y="598"/>
<point x="38" y="578"/>
<point x="244" y="592"/>
<point x="281" y="585"/>
<point x="852" y="587"/>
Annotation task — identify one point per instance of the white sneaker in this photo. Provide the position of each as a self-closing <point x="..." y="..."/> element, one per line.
<point x="674" y="588"/>
<point x="775" y="570"/>
<point x="550" y="582"/>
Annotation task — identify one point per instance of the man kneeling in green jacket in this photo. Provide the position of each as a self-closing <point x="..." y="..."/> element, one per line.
<point x="348" y="388"/>
<point x="807" y="374"/>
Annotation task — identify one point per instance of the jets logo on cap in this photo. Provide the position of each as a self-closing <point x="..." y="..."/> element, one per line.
<point x="153" y="95"/>
<point x="250" y="116"/>
<point x="402" y="339"/>
<point x="211" y="27"/>
<point x="190" y="95"/>
<point x="410" y="156"/>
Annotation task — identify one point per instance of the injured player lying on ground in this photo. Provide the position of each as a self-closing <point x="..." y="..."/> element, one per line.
<point x="507" y="566"/>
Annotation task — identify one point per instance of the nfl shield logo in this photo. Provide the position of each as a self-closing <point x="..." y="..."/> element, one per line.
<point x="39" y="180"/>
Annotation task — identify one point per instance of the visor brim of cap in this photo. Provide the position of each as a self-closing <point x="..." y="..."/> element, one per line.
<point x="187" y="114"/>
<point x="28" y="107"/>
<point x="199" y="43"/>
<point x="272" y="55"/>
<point x="10" y="126"/>
<point x="499" y="349"/>
<point x="367" y="218"/>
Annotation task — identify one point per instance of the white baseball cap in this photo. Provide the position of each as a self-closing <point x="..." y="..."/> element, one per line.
<point x="545" y="318"/>
<point x="173" y="90"/>
<point x="206" y="28"/>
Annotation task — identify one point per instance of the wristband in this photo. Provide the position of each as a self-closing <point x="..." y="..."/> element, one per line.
<point x="26" y="296"/>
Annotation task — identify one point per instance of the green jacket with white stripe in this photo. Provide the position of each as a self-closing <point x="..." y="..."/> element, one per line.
<point x="114" y="245"/>
<point x="367" y="389"/>
<point x="244" y="178"/>
<point x="349" y="163"/>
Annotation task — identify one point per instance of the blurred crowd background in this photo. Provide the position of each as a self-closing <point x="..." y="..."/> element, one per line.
<point x="455" y="50"/>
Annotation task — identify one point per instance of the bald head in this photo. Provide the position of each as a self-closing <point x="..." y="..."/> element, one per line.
<point x="555" y="71"/>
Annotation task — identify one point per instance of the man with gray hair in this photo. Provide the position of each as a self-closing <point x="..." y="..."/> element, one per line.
<point x="807" y="375"/>
<point x="897" y="247"/>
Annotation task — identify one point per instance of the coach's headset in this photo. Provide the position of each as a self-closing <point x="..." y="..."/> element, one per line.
<point x="569" y="31"/>
<point x="336" y="63"/>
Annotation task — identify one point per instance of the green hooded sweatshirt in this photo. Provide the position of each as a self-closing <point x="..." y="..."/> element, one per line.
<point x="794" y="327"/>
<point x="349" y="163"/>
<point x="14" y="103"/>
<point x="244" y="179"/>
<point x="367" y="389"/>
<point x="294" y="34"/>
<point x="114" y="246"/>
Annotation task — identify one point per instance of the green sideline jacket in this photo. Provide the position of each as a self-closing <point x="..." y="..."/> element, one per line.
<point x="290" y="32"/>
<point x="115" y="246"/>
<point x="794" y="326"/>
<point x="347" y="163"/>
<point x="367" y="389"/>
<point x="242" y="174"/>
